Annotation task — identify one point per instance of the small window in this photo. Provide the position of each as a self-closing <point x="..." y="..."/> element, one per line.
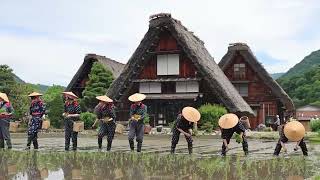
<point x="192" y="86"/>
<point x="168" y="64"/>
<point x="146" y="87"/>
<point x="242" y="89"/>
<point x="239" y="71"/>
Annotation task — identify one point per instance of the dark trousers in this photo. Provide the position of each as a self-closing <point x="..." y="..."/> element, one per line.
<point x="302" y="144"/>
<point x="69" y="133"/>
<point x="175" y="140"/>
<point x="136" y="130"/>
<point x="5" y="134"/>
<point x="244" y="146"/>
<point x="34" y="139"/>
<point x="106" y="129"/>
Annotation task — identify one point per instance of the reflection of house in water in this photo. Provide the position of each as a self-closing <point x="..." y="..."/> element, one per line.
<point x="79" y="80"/>
<point x="174" y="69"/>
<point x="255" y="85"/>
<point x="306" y="113"/>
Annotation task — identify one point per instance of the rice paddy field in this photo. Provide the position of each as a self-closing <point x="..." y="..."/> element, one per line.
<point x="51" y="162"/>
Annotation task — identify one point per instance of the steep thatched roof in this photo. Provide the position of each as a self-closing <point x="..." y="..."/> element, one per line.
<point x="112" y="65"/>
<point x="249" y="57"/>
<point x="196" y="52"/>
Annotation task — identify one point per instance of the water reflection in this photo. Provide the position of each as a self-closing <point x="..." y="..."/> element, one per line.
<point x="84" y="165"/>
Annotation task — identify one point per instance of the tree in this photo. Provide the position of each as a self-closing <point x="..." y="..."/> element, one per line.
<point x="19" y="98"/>
<point x="55" y="105"/>
<point x="303" y="88"/>
<point x="99" y="81"/>
<point x="6" y="79"/>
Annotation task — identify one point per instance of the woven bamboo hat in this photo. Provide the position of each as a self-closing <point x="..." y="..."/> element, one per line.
<point x="104" y="99"/>
<point x="228" y="121"/>
<point x="137" y="97"/>
<point x="4" y="97"/>
<point x="70" y="94"/>
<point x="294" y="131"/>
<point x="35" y="94"/>
<point x="191" y="114"/>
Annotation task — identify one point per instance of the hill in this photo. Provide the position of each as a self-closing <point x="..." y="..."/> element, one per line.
<point x="276" y="75"/>
<point x="303" y="88"/>
<point x="312" y="60"/>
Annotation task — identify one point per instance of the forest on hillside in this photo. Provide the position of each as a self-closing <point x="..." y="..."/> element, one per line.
<point x="303" y="88"/>
<point x="302" y="82"/>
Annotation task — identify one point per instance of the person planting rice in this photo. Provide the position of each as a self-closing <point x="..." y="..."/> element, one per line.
<point x="291" y="131"/>
<point x="106" y="117"/>
<point x="229" y="123"/>
<point x="71" y="113"/>
<point x="137" y="114"/>
<point x="37" y="111"/>
<point x="183" y="125"/>
<point x="6" y="111"/>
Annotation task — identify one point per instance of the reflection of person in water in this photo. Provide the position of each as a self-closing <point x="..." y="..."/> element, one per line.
<point x="4" y="168"/>
<point x="32" y="171"/>
<point x="71" y="168"/>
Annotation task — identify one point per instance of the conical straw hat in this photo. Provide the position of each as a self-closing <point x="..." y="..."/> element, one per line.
<point x="104" y="99"/>
<point x="228" y="121"/>
<point x="35" y="94"/>
<point x="191" y="114"/>
<point x="137" y="97"/>
<point x="294" y="131"/>
<point x="70" y="94"/>
<point x="4" y="97"/>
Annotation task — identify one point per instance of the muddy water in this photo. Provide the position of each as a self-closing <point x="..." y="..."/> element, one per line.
<point x="119" y="165"/>
<point x="51" y="162"/>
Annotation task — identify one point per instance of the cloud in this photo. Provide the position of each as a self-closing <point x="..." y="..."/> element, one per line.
<point x="56" y="35"/>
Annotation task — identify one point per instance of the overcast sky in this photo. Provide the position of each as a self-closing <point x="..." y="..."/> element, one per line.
<point x="45" y="41"/>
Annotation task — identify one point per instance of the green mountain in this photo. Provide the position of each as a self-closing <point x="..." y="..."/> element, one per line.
<point x="276" y="75"/>
<point x="302" y="82"/>
<point x="40" y="87"/>
<point x="312" y="60"/>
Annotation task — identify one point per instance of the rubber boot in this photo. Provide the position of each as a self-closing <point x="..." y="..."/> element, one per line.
<point x="35" y="143"/>
<point x="173" y="149"/>
<point x="304" y="148"/>
<point x="190" y="148"/>
<point x="74" y="144"/>
<point x="28" y="143"/>
<point x="2" y="143"/>
<point x="131" y="144"/>
<point x="109" y="145"/>
<point x="139" y="146"/>
<point x="245" y="147"/>
<point x="8" y="141"/>
<point x="99" y="143"/>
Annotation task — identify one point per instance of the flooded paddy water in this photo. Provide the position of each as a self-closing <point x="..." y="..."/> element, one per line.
<point x="51" y="162"/>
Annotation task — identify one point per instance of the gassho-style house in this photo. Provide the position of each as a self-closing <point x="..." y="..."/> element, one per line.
<point x="174" y="69"/>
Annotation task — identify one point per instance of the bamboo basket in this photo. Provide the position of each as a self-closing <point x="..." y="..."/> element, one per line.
<point x="76" y="174"/>
<point x="45" y="124"/>
<point x="13" y="127"/>
<point x="78" y="126"/>
<point x="245" y="121"/>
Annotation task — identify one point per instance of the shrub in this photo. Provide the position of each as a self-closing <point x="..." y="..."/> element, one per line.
<point x="315" y="125"/>
<point x="207" y="127"/>
<point x="210" y="114"/>
<point x="88" y="119"/>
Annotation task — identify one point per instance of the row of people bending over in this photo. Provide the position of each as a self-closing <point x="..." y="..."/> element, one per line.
<point x="105" y="111"/>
